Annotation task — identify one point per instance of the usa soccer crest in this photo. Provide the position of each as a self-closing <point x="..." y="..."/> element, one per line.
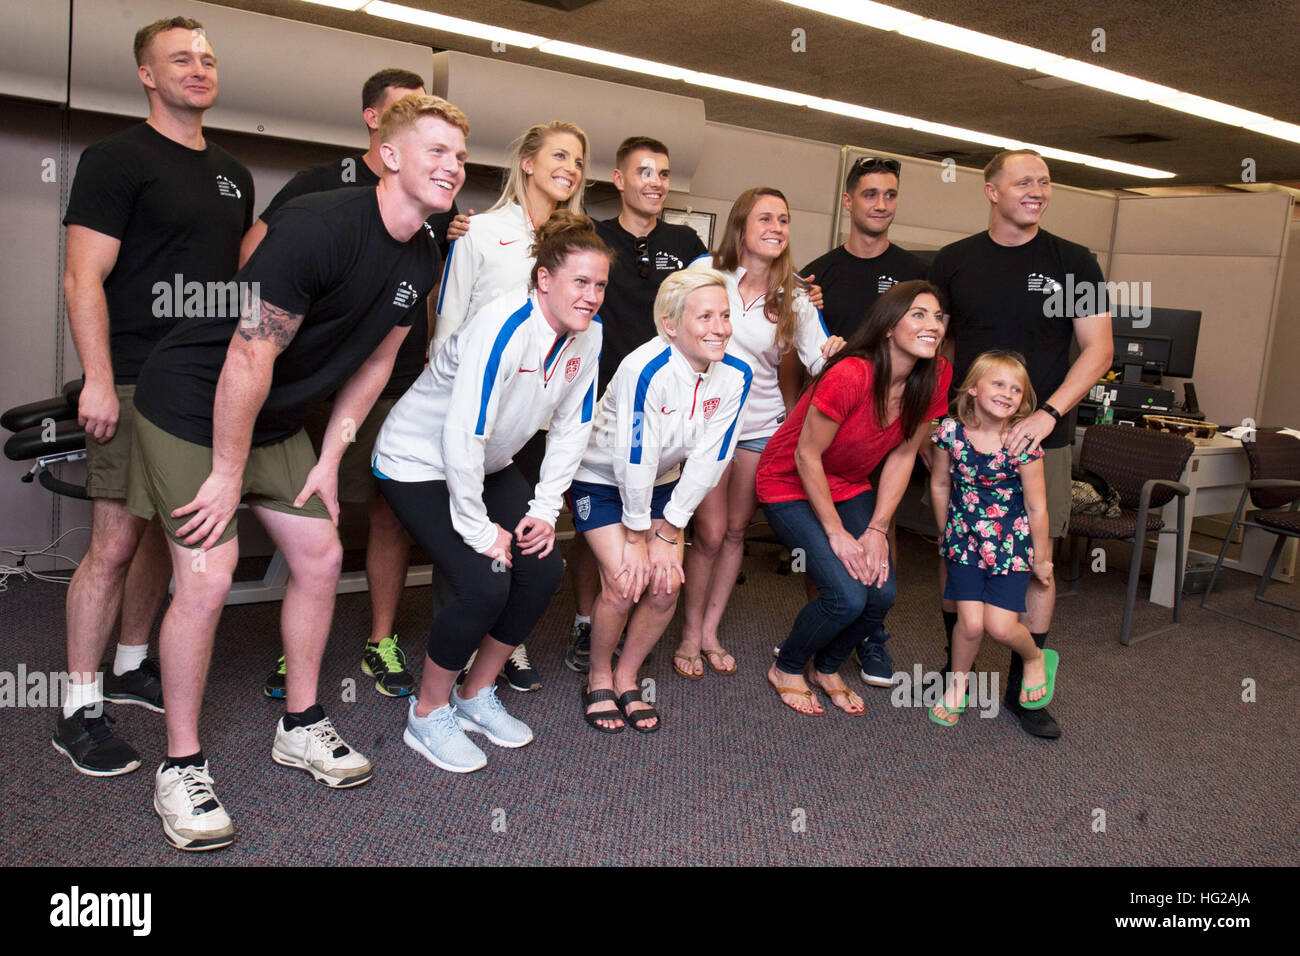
<point x="711" y="406"/>
<point x="583" y="505"/>
<point x="571" y="369"/>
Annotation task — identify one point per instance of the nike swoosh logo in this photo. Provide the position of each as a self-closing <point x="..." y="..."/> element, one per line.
<point x="522" y="369"/>
<point x="510" y="243"/>
<point x="666" y="410"/>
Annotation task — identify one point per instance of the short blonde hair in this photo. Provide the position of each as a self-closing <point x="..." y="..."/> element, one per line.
<point x="670" y="303"/>
<point x="983" y="365"/>
<point x="404" y="112"/>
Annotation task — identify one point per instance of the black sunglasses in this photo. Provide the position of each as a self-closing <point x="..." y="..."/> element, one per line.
<point x="642" y="249"/>
<point x="867" y="164"/>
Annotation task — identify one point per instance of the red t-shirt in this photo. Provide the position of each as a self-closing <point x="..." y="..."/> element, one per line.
<point x="843" y="395"/>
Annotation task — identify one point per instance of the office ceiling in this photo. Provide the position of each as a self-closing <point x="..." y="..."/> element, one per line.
<point x="1247" y="55"/>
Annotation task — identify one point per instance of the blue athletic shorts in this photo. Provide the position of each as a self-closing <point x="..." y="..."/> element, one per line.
<point x="594" y="506"/>
<point x="972" y="583"/>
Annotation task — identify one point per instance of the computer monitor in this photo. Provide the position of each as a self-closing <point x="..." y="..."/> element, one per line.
<point x="1180" y="327"/>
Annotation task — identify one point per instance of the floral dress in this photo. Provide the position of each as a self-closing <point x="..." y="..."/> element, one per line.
<point x="988" y="526"/>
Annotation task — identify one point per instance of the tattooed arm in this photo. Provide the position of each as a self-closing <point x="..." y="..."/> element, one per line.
<point x="263" y="333"/>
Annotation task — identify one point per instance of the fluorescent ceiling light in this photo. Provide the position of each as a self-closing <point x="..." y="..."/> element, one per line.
<point x="860" y="10"/>
<point x="617" y="60"/>
<point x="1287" y="131"/>
<point x="341" y="4"/>
<point x="884" y="17"/>
<point x="1210" y="109"/>
<point x="728" y="85"/>
<point x="437" y="21"/>
<point x="869" y="14"/>
<point x="980" y="44"/>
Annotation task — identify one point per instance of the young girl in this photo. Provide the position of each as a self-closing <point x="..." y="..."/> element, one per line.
<point x="998" y="508"/>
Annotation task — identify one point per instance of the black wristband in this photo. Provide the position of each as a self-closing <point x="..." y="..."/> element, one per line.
<point x="1051" y="411"/>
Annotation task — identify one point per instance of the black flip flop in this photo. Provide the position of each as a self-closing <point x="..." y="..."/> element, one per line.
<point x="647" y="713"/>
<point x="595" y="697"/>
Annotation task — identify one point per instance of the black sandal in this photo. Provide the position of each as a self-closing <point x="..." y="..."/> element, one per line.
<point x="634" y="717"/>
<point x="595" y="697"/>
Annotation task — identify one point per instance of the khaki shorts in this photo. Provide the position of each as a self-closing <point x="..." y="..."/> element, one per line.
<point x="1056" y="469"/>
<point x="167" y="472"/>
<point x="357" y="481"/>
<point x="108" y="464"/>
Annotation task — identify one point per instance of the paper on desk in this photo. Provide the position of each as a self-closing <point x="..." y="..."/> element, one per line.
<point x="1241" y="431"/>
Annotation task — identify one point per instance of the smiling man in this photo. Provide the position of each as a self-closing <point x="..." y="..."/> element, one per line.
<point x="996" y="284"/>
<point x="329" y="296"/>
<point x="156" y="201"/>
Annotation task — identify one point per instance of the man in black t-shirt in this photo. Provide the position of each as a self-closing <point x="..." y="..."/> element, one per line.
<point x="647" y="250"/>
<point x="388" y="547"/>
<point x="854" y="275"/>
<point x="154" y="210"/>
<point x="1005" y="290"/>
<point x="327" y="298"/>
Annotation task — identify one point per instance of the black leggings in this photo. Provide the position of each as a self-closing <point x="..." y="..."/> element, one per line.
<point x="506" y="604"/>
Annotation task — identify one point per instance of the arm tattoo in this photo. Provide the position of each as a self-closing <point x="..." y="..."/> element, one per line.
<point x="262" y="320"/>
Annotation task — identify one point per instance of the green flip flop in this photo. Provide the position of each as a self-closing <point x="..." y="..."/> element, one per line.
<point x="1053" y="659"/>
<point x="955" y="712"/>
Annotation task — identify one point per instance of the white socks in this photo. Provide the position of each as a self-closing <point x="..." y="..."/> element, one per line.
<point x="129" y="657"/>
<point x="580" y="619"/>
<point x="83" y="695"/>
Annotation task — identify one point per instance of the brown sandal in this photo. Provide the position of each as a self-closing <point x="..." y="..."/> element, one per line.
<point x="802" y="693"/>
<point x="720" y="653"/>
<point x="689" y="658"/>
<point x="844" y="692"/>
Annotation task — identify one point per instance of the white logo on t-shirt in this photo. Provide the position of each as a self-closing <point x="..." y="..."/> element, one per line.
<point x="407" y="295"/>
<point x="1044" y="284"/>
<point x="668" y="261"/>
<point x="429" y="229"/>
<point x="884" y="283"/>
<point x="227" y="188"/>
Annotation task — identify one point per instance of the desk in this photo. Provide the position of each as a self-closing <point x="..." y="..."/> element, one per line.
<point x="1216" y="474"/>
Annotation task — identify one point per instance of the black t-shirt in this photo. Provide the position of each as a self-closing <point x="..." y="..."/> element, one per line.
<point x="353" y="171"/>
<point x="328" y="257"/>
<point x="627" y="315"/>
<point x="179" y="214"/>
<point x="1013" y="297"/>
<point x="851" y="285"/>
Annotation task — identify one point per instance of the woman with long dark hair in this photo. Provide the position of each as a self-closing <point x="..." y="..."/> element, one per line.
<point x="872" y="402"/>
<point x="771" y="315"/>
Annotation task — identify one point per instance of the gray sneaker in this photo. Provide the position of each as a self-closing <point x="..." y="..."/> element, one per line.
<point x="485" y="714"/>
<point x="440" y="740"/>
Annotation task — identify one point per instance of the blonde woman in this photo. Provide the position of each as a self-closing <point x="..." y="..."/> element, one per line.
<point x="547" y="172"/>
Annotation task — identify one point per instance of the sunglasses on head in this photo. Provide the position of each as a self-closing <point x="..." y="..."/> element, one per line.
<point x="641" y="246"/>
<point x="869" y="164"/>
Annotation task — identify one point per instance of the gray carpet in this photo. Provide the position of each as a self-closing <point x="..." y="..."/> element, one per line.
<point x="1156" y="736"/>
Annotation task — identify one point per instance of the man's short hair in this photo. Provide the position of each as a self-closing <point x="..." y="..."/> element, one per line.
<point x="865" y="165"/>
<point x="373" y="90"/>
<point x="997" y="162"/>
<point x="633" y="143"/>
<point x="144" y="37"/>
<point x="411" y="107"/>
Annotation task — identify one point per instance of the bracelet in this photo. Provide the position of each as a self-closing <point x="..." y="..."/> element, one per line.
<point x="666" y="540"/>
<point x="877" y="531"/>
<point x="1050" y="410"/>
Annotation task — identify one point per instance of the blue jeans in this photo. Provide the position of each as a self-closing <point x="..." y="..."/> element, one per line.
<point x="846" y="611"/>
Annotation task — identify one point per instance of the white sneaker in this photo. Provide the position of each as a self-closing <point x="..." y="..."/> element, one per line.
<point x="440" y="740"/>
<point x="485" y="714"/>
<point x="318" y="749"/>
<point x="192" y="816"/>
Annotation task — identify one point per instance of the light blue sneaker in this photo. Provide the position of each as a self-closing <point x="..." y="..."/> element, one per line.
<point x="439" y="739"/>
<point x="485" y="714"/>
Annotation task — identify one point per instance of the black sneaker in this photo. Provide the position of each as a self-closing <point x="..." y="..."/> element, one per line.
<point x="578" y="656"/>
<point x="274" y="686"/>
<point x="91" y="745"/>
<point x="519" y="672"/>
<point x="386" y="663"/>
<point x="142" y="686"/>
<point x="1037" y="723"/>
<point x="877" y="665"/>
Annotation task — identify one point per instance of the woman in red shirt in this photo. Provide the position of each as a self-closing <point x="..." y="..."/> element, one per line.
<point x="873" y="401"/>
